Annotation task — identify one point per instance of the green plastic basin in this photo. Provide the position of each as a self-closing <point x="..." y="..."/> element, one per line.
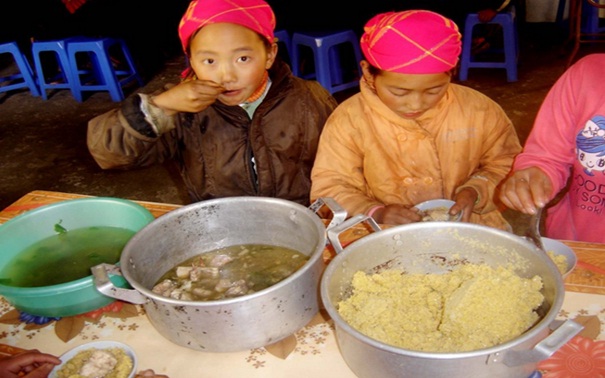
<point x="78" y="296"/>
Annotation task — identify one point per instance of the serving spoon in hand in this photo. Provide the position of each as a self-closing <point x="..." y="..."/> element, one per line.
<point x="533" y="232"/>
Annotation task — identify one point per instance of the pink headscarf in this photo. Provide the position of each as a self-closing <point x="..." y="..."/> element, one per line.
<point x="411" y="42"/>
<point x="253" y="14"/>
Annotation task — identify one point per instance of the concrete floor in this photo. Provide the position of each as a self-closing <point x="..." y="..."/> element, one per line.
<point x="42" y="143"/>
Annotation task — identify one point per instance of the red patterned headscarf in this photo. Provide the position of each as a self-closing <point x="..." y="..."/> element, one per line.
<point x="411" y="42"/>
<point x="253" y="14"/>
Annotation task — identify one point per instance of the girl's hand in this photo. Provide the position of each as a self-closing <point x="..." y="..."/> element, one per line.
<point x="149" y="374"/>
<point x="526" y="189"/>
<point x="465" y="202"/>
<point x="30" y="364"/>
<point x="191" y="96"/>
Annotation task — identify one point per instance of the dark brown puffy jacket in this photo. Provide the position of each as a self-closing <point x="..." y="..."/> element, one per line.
<point x="214" y="148"/>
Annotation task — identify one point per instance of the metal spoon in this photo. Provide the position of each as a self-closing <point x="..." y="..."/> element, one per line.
<point x="533" y="232"/>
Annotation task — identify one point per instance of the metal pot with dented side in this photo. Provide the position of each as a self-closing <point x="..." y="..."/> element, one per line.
<point x="234" y="324"/>
<point x="413" y="248"/>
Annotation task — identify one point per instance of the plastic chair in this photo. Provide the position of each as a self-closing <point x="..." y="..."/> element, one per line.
<point x="507" y="20"/>
<point x="24" y="78"/>
<point x="328" y="49"/>
<point x="59" y="76"/>
<point x="283" y="37"/>
<point x="103" y="64"/>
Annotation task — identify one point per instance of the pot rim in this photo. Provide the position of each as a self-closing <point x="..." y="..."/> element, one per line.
<point x="534" y="331"/>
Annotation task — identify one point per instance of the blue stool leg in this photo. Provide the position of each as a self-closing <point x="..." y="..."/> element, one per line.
<point x="358" y="57"/>
<point x="336" y="75"/>
<point x="40" y="74"/>
<point x="108" y="73"/>
<point x="107" y="77"/>
<point x="58" y="49"/>
<point x="284" y="38"/>
<point x="25" y="77"/>
<point x="130" y="62"/>
<point x="76" y="89"/>
<point x="91" y="78"/>
<point x="590" y="19"/>
<point x="510" y="51"/>
<point x="28" y="75"/>
<point x="296" y="59"/>
<point x="327" y="58"/>
<point x="466" y="47"/>
<point x="322" y="68"/>
<point x="511" y="44"/>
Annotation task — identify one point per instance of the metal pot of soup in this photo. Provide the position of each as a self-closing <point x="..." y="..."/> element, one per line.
<point x="249" y="317"/>
<point x="429" y="249"/>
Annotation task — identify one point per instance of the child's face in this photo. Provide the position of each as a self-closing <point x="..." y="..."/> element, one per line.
<point x="409" y="95"/>
<point x="233" y="56"/>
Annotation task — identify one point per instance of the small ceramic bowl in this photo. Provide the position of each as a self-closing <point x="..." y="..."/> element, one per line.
<point x="558" y="248"/>
<point x="100" y="345"/>
<point x="437" y="210"/>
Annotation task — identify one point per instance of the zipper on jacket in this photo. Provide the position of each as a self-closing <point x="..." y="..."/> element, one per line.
<point x="252" y="167"/>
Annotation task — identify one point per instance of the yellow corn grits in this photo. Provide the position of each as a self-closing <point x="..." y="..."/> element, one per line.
<point x="559" y="260"/>
<point x="470" y="308"/>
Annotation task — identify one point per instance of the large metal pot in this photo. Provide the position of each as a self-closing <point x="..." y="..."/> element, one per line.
<point x="234" y="324"/>
<point x="430" y="247"/>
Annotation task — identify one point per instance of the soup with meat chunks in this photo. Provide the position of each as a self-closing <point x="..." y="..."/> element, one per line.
<point x="229" y="272"/>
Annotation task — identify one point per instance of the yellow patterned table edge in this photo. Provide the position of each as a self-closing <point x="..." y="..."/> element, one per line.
<point x="38" y="198"/>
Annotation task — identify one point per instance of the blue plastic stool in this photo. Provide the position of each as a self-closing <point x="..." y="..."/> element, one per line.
<point x="511" y="45"/>
<point x="59" y="77"/>
<point x="591" y="21"/>
<point x="24" y="78"/>
<point x="283" y="37"/>
<point x="94" y="68"/>
<point x="327" y="58"/>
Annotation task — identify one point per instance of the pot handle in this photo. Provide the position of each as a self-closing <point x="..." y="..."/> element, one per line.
<point x="106" y="287"/>
<point x="545" y="348"/>
<point x="339" y="214"/>
<point x="334" y="232"/>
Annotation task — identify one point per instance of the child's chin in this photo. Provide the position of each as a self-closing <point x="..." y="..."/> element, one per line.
<point x="231" y="101"/>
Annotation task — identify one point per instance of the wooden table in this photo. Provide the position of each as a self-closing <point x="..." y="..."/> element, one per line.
<point x="312" y="351"/>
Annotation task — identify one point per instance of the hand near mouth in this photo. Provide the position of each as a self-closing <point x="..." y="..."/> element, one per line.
<point x="191" y="96"/>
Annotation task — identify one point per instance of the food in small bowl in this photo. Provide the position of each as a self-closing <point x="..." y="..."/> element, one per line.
<point x="99" y="359"/>
<point x="562" y="255"/>
<point x="34" y="274"/>
<point x="437" y="210"/>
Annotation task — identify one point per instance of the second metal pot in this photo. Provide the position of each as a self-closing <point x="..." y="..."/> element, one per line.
<point x="432" y="247"/>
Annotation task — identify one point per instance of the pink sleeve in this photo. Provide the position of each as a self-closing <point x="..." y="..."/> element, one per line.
<point x="567" y="106"/>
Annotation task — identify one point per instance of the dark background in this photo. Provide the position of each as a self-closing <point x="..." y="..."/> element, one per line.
<point x="43" y="142"/>
<point x="150" y="27"/>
